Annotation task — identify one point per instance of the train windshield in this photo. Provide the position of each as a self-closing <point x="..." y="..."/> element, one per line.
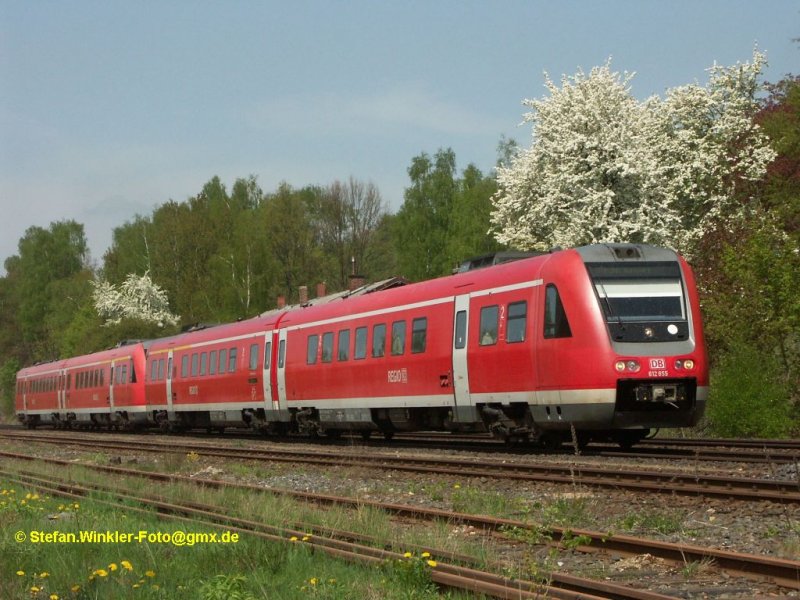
<point x="639" y="291"/>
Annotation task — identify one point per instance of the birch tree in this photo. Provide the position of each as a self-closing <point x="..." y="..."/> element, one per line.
<point x="605" y="167"/>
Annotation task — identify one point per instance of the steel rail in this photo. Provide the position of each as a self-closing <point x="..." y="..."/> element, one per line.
<point x="738" y="488"/>
<point x="782" y="572"/>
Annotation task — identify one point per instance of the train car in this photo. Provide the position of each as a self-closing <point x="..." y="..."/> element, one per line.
<point x="210" y="377"/>
<point x="599" y="342"/>
<point x="602" y="342"/>
<point x="101" y="389"/>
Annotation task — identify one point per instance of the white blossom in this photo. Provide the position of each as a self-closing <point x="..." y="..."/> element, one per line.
<point x="605" y="167"/>
<point x="135" y="298"/>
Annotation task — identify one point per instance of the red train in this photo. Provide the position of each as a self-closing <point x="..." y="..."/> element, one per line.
<point x="600" y="342"/>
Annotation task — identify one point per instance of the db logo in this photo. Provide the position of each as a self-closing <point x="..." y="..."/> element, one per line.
<point x="658" y="363"/>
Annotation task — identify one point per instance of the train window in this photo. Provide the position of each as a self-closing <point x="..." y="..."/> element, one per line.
<point x="212" y="362"/>
<point x="161" y="368"/>
<point x="253" y="357"/>
<point x="379" y="340"/>
<point x="223" y="360"/>
<point x="124" y="375"/>
<point x="343" y="350"/>
<point x="133" y="373"/>
<point x="517" y="322"/>
<point x="185" y="366"/>
<point x="154" y="370"/>
<point x="398" y="338"/>
<point x="327" y="347"/>
<point x="281" y="354"/>
<point x="69" y="380"/>
<point x="311" y="354"/>
<point x="361" y="343"/>
<point x="460" y="336"/>
<point x="419" y="335"/>
<point x="203" y="363"/>
<point x="488" y="327"/>
<point x="267" y="354"/>
<point x="556" y="324"/>
<point x="232" y="360"/>
<point x="195" y="363"/>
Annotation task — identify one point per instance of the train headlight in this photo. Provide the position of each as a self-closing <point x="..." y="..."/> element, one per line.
<point x="620" y="366"/>
<point x="633" y="366"/>
<point x="688" y="364"/>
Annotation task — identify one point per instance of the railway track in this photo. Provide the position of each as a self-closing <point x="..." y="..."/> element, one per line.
<point x="672" y="482"/>
<point x="713" y="450"/>
<point x="453" y="571"/>
<point x="781" y="572"/>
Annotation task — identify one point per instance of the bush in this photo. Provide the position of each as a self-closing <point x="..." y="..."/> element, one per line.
<point x="749" y="395"/>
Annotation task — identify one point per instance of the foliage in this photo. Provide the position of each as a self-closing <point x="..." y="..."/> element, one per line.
<point x="606" y="167"/>
<point x="43" y="285"/>
<point x="779" y="117"/>
<point x="444" y="219"/>
<point x="748" y="395"/>
<point x="8" y="378"/>
<point x="136" y="298"/>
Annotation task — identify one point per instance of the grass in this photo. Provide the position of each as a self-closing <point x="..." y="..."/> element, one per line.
<point x="250" y="568"/>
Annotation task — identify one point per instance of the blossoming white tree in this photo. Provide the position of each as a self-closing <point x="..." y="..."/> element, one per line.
<point x="604" y="166"/>
<point x="135" y="298"/>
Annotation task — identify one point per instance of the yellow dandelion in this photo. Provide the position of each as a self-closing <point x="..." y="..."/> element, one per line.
<point x="75" y="588"/>
<point x="306" y="538"/>
<point x="293" y="538"/>
<point x="101" y="573"/>
<point x="44" y="574"/>
<point x="457" y="486"/>
<point x="150" y="573"/>
<point x="60" y="507"/>
<point x="113" y="567"/>
<point x="426" y="555"/>
<point x="28" y="496"/>
<point x="53" y="596"/>
<point x="76" y="505"/>
<point x="35" y="497"/>
<point x="126" y="565"/>
<point x="432" y="563"/>
<point x="313" y="581"/>
<point x="23" y="501"/>
<point x="136" y="586"/>
<point x="35" y="590"/>
<point x="92" y="577"/>
<point x="407" y="555"/>
<point x="21" y="573"/>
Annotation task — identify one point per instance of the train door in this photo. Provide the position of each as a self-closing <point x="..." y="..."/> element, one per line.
<point x="62" y="390"/>
<point x="460" y="371"/>
<point x="169" y="381"/>
<point x="111" y="385"/>
<point x="269" y="403"/>
<point x="282" y="404"/>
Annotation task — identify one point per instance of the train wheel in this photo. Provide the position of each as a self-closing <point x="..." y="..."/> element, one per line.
<point x="628" y="439"/>
<point x="387" y="435"/>
<point x="551" y="441"/>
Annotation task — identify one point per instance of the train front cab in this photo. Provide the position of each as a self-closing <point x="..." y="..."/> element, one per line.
<point x="649" y="308"/>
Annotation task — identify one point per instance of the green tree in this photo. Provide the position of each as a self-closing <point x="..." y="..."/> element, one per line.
<point x="47" y="259"/>
<point x="423" y="222"/>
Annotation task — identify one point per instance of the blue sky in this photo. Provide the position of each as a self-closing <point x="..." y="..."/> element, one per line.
<point x="110" y="108"/>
